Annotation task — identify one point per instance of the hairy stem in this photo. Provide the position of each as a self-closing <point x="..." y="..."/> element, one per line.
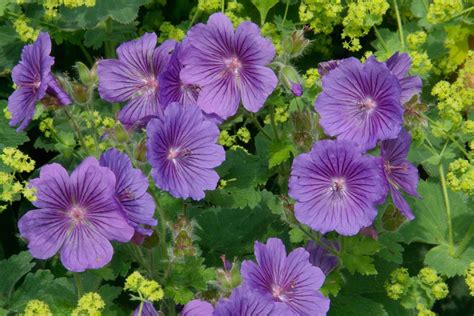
<point x="77" y="129"/>
<point x="448" y="209"/>
<point x="286" y="12"/>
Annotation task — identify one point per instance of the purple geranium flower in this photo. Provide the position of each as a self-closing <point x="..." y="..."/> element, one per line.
<point x="321" y="257"/>
<point x="325" y="67"/>
<point x="290" y="282"/>
<point x="183" y="152"/>
<point x="399" y="65"/>
<point x="77" y="215"/>
<point x="34" y="80"/>
<point x="133" y="77"/>
<point x="147" y="310"/>
<point x="197" y="308"/>
<point x="131" y="190"/>
<point x="172" y="87"/>
<point x="243" y="302"/>
<point x="228" y="66"/>
<point x="399" y="174"/>
<point x="361" y="103"/>
<point x="335" y="187"/>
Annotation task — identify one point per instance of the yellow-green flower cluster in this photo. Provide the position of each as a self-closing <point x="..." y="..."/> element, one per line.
<point x="225" y="139"/>
<point x="460" y="176"/>
<point x="281" y="115"/>
<point x="243" y="134"/>
<point x="322" y="15"/>
<point x="470" y="278"/>
<point x="443" y="10"/>
<point x="397" y="283"/>
<point x="230" y="141"/>
<point x="416" y="39"/>
<point x="17" y="160"/>
<point x="169" y="31"/>
<point x="209" y="6"/>
<point x="24" y="31"/>
<point x="233" y="11"/>
<point x="51" y="6"/>
<point x="47" y="127"/>
<point x="37" y="308"/>
<point x="430" y="277"/>
<point x="148" y="290"/>
<point x="7" y="114"/>
<point x="311" y="77"/>
<point x="90" y="304"/>
<point x="421" y="63"/>
<point x="361" y="16"/>
<point x="11" y="189"/>
<point x="269" y="30"/>
<point x="423" y="311"/>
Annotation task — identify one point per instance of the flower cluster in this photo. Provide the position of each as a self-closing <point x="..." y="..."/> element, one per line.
<point x="460" y="176"/>
<point x="470" y="278"/>
<point x="321" y="15"/>
<point x="277" y="284"/>
<point x="17" y="160"/>
<point x="443" y="10"/>
<point x="148" y="290"/>
<point x="89" y="304"/>
<point x="37" y="307"/>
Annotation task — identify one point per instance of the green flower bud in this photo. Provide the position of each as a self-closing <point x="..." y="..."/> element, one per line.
<point x="291" y="79"/>
<point x="440" y="290"/>
<point x="296" y="43"/>
<point x="428" y="276"/>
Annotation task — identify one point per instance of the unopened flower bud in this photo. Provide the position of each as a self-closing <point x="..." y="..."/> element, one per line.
<point x="86" y="75"/>
<point x="296" y="43"/>
<point x="326" y="66"/>
<point x="121" y="133"/>
<point x="291" y="79"/>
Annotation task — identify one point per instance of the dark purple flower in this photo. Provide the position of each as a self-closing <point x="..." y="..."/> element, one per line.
<point x="183" y="153"/>
<point x="133" y="77"/>
<point x="131" y="190"/>
<point x="399" y="65"/>
<point x="297" y="89"/>
<point x="228" y="66"/>
<point x="361" y="103"/>
<point x="147" y="310"/>
<point x="335" y="187"/>
<point x="197" y="308"/>
<point x="321" y="257"/>
<point x="290" y="282"/>
<point x="77" y="215"/>
<point x="399" y="174"/>
<point x="243" y="302"/>
<point x="172" y="87"/>
<point x="325" y="67"/>
<point x="34" y="80"/>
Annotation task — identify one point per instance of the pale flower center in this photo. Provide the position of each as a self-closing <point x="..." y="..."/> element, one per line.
<point x="175" y="153"/>
<point x="338" y="185"/>
<point x="150" y="84"/>
<point x="234" y="65"/>
<point x="368" y="104"/>
<point x="278" y="293"/>
<point x="77" y="214"/>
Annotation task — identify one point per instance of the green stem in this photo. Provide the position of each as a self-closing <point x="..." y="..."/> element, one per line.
<point x="162" y="225"/>
<point x="399" y="22"/>
<point x="462" y="13"/>
<point x="273" y="122"/>
<point x="450" y="137"/>
<point x="465" y="241"/>
<point x="223" y="6"/>
<point x="140" y="309"/>
<point x="86" y="54"/>
<point x="380" y="38"/>
<point x="260" y="127"/>
<point x="448" y="209"/>
<point x="109" y="47"/>
<point x="195" y="15"/>
<point x="286" y="12"/>
<point x="77" y="129"/>
<point x="78" y="281"/>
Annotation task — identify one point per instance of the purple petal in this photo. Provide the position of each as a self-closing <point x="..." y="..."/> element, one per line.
<point x="21" y="105"/>
<point x="162" y="56"/>
<point x="401" y="204"/>
<point x="139" y="108"/>
<point x="147" y="310"/>
<point x="197" y="308"/>
<point x="410" y="86"/>
<point x="243" y="302"/>
<point x="251" y="47"/>
<point x="55" y="90"/>
<point x="257" y="83"/>
<point x="399" y="64"/>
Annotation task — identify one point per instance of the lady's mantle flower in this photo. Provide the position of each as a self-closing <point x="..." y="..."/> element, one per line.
<point x="398" y="173"/>
<point x="335" y="187"/>
<point x="131" y="190"/>
<point x="228" y="66"/>
<point x="133" y="78"/>
<point x="290" y="282"/>
<point x="361" y="103"/>
<point x="77" y="215"/>
<point x="89" y="304"/>
<point x="183" y="152"/>
<point x="34" y="80"/>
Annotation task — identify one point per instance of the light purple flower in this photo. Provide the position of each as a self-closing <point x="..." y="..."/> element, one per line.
<point x="228" y="66"/>
<point x="77" y="215"/>
<point x="361" y="103"/>
<point x="290" y="282"/>
<point x="197" y="308"/>
<point x="172" y="87"/>
<point x="133" y="77"/>
<point x="243" y="302"/>
<point x="147" y="310"/>
<point x="183" y="153"/>
<point x="131" y="190"/>
<point x="398" y="173"/>
<point x="399" y="65"/>
<point x="297" y="89"/>
<point x="321" y="257"/>
<point x="335" y="187"/>
<point x="34" y="80"/>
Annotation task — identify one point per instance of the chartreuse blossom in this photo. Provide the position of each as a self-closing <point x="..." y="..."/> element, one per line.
<point x="281" y="115"/>
<point x="428" y="276"/>
<point x="243" y="134"/>
<point x="416" y="39"/>
<point x="269" y="30"/>
<point x="470" y="278"/>
<point x="147" y="290"/>
<point x="169" y="31"/>
<point x="47" y="127"/>
<point x="7" y="114"/>
<point x="90" y="304"/>
<point x="443" y="10"/>
<point x="233" y="12"/>
<point x="25" y="31"/>
<point x="460" y="176"/>
<point x="37" y="308"/>
<point x="209" y="6"/>
<point x="361" y="17"/>
<point x="311" y="77"/>
<point x="423" y="311"/>
<point x="17" y="160"/>
<point x="322" y="15"/>
<point x="421" y="63"/>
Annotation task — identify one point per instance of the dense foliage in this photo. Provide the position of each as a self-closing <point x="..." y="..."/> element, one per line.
<point x="243" y="157"/>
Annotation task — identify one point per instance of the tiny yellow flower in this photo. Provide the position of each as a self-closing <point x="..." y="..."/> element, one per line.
<point x="89" y="304"/>
<point x="17" y="160"/>
<point x="37" y="308"/>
